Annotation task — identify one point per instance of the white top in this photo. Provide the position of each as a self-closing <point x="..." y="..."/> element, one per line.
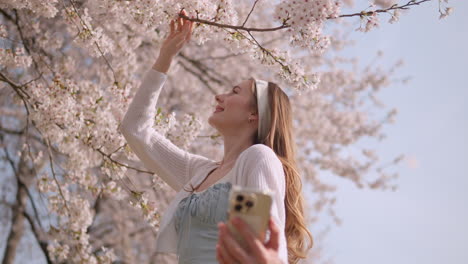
<point x="257" y="166"/>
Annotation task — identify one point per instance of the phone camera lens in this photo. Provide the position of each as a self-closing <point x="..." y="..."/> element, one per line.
<point x="249" y="203"/>
<point x="238" y="207"/>
<point x="240" y="198"/>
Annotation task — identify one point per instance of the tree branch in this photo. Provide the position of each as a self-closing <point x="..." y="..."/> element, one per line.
<point x="251" y="10"/>
<point x="285" y="26"/>
<point x="17" y="222"/>
<point x="42" y="243"/>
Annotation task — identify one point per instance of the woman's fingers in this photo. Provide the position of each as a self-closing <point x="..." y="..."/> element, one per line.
<point x="273" y="243"/>
<point x="219" y="256"/>
<point x="180" y="23"/>
<point x="172" y="26"/>
<point x="184" y="35"/>
<point x="186" y="26"/>
<point x="233" y="246"/>
<point x="183" y="25"/>
<point x="187" y="30"/>
<point x="225" y="245"/>
<point x="180" y="33"/>
<point x="255" y="245"/>
<point x="225" y="255"/>
<point x="190" y="31"/>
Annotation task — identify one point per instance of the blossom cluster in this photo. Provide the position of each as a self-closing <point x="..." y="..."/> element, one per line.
<point x="47" y="9"/>
<point x="446" y="12"/>
<point x="306" y="20"/>
<point x="89" y="37"/>
<point x="149" y="209"/>
<point x="17" y="58"/>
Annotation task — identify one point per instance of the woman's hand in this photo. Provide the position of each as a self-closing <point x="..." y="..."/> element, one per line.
<point x="229" y="251"/>
<point x="174" y="42"/>
<point x="177" y="38"/>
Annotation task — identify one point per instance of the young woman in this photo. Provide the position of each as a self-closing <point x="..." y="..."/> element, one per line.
<point x="255" y="121"/>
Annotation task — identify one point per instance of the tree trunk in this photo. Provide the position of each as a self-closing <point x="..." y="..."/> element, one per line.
<point x="17" y="226"/>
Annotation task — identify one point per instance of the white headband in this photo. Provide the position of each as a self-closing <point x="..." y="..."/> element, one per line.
<point x="264" y="115"/>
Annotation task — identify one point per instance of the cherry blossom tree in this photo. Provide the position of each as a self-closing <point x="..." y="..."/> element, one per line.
<point x="71" y="187"/>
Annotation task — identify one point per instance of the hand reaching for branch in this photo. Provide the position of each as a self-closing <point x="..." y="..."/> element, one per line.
<point x="174" y="42"/>
<point x="177" y="38"/>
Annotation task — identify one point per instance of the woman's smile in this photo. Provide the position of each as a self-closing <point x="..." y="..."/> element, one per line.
<point x="218" y="109"/>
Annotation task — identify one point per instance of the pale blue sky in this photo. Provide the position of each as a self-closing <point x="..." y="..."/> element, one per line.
<point x="426" y="219"/>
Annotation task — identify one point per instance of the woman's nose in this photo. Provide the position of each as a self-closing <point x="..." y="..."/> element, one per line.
<point x="217" y="98"/>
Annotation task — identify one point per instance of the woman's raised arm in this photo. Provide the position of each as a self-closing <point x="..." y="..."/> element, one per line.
<point x="157" y="153"/>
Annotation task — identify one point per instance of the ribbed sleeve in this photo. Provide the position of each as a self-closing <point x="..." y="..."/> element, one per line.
<point x="263" y="170"/>
<point x="158" y="154"/>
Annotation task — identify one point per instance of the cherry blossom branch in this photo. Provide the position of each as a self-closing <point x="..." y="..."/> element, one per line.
<point x="199" y="76"/>
<point x="284" y="67"/>
<point x="35" y="171"/>
<point x="42" y="243"/>
<point x="119" y="163"/>
<point x="395" y="6"/>
<point x="207" y="22"/>
<point x="21" y="132"/>
<point x="222" y="57"/>
<point x="25" y="42"/>
<point x="33" y="204"/>
<point x="206" y="72"/>
<point x="237" y="54"/>
<point x="17" y="224"/>
<point x="22" y="94"/>
<point x="284" y="26"/>
<point x="97" y="209"/>
<point x="5" y="14"/>
<point x="25" y="131"/>
<point x="448" y="10"/>
<point x="17" y="88"/>
<point x="25" y="103"/>
<point x="251" y="10"/>
<point x="202" y="67"/>
<point x="26" y="46"/>
<point x="95" y="43"/>
<point x="51" y="162"/>
<point x="9" y="131"/>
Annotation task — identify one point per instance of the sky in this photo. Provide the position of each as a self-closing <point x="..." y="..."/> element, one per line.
<point x="426" y="219"/>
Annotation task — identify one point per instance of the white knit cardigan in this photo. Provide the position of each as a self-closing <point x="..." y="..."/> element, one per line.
<point x="257" y="166"/>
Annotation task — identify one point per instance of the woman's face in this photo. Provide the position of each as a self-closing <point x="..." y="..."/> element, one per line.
<point x="234" y="108"/>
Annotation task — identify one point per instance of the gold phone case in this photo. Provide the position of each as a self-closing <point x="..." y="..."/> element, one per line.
<point x="251" y="205"/>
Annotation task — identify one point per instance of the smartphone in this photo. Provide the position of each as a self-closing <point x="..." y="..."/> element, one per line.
<point x="251" y="205"/>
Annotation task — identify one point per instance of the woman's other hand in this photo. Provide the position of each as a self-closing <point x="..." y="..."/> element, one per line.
<point x="229" y="251"/>
<point x="174" y="42"/>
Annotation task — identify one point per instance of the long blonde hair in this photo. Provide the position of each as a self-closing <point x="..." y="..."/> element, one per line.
<point x="280" y="139"/>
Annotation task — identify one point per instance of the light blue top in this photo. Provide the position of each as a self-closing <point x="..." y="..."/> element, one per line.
<point x="196" y="219"/>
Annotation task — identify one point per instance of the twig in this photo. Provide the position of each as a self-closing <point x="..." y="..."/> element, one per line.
<point x="251" y="10"/>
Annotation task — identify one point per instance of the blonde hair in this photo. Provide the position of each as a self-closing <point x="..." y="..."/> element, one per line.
<point x="280" y="139"/>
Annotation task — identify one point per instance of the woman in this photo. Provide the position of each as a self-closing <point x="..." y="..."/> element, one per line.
<point x="255" y="122"/>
